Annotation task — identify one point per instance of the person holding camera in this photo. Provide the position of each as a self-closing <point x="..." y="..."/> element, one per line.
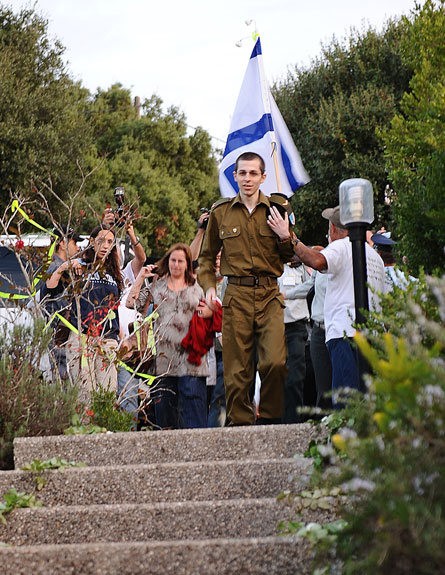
<point x="95" y="284"/>
<point x="127" y="383"/>
<point x="120" y="218"/>
<point x="255" y="241"/>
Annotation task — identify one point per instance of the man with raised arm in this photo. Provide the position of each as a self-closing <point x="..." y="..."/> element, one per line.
<point x="339" y="305"/>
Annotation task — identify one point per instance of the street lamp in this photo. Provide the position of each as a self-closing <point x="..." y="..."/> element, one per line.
<point x="356" y="213"/>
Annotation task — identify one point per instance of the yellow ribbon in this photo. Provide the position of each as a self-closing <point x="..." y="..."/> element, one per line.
<point x="16" y="208"/>
<point x="150" y="378"/>
<point x="150" y="336"/>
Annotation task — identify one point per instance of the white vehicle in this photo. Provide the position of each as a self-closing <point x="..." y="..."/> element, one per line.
<point x="20" y="259"/>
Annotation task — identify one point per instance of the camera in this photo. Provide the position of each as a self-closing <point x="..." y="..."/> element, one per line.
<point x="149" y="262"/>
<point x="119" y="212"/>
<point x="203" y="225"/>
<point x="154" y="271"/>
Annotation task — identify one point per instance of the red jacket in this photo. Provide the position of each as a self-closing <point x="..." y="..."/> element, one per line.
<point x="201" y="333"/>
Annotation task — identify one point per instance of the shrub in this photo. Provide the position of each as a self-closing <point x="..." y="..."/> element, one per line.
<point x="390" y="455"/>
<point x="106" y="413"/>
<point x="29" y="404"/>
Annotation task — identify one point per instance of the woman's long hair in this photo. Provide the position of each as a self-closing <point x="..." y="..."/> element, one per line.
<point x="163" y="263"/>
<point x="111" y="264"/>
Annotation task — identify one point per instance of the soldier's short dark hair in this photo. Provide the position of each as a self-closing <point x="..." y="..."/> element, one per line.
<point x="248" y="156"/>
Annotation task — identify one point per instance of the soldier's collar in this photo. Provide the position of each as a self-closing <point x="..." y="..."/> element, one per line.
<point x="262" y="199"/>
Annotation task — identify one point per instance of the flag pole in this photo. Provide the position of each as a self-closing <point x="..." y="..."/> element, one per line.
<point x="275" y="163"/>
<point x="266" y="101"/>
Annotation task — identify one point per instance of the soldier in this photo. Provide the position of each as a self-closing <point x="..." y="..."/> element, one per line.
<point x="255" y="241"/>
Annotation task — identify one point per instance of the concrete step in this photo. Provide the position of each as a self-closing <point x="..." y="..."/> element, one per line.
<point x="150" y="522"/>
<point x="193" y="481"/>
<point x="250" y="442"/>
<point x="262" y="556"/>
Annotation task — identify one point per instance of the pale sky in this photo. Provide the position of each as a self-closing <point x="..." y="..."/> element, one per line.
<point x="185" y="51"/>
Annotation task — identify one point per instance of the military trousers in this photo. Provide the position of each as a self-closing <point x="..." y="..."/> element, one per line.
<point x="253" y="315"/>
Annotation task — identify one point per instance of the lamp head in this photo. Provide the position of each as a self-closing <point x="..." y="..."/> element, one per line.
<point x="356" y="201"/>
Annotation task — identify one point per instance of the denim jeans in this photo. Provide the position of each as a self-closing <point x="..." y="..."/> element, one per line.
<point x="344" y="366"/>
<point x="296" y="336"/>
<point x="217" y="411"/>
<point x="128" y="387"/>
<point x="180" y="402"/>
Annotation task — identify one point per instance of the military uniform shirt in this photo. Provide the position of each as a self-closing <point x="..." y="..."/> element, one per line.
<point x="250" y="247"/>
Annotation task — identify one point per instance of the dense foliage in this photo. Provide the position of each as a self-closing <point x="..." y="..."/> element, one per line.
<point x="415" y="143"/>
<point x="44" y="127"/>
<point x="333" y="109"/>
<point x="29" y="403"/>
<point x="167" y="174"/>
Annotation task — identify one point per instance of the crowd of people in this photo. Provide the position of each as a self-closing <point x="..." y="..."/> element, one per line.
<point x="256" y="309"/>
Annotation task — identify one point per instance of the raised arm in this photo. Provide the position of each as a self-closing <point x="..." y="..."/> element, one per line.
<point x="135" y="291"/>
<point x="139" y="252"/>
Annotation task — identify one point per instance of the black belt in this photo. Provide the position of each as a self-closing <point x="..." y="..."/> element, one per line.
<point x="303" y="320"/>
<point x="319" y="324"/>
<point x="252" y="281"/>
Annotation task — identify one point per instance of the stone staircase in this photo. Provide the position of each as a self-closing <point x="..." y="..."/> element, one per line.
<point x="175" y="502"/>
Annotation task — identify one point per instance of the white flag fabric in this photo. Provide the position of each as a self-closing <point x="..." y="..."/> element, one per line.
<point x="258" y="126"/>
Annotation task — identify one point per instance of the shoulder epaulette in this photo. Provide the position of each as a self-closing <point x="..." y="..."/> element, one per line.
<point x="220" y="202"/>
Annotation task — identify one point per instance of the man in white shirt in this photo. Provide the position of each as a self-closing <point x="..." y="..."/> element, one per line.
<point x="339" y="308"/>
<point x="295" y="284"/>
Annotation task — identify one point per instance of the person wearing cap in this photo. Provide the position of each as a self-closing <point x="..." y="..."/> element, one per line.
<point x="252" y="258"/>
<point x="93" y="285"/>
<point x="339" y="307"/>
<point x="66" y="248"/>
<point x="384" y="246"/>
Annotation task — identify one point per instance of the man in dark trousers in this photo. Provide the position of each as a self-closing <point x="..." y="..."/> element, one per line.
<point x="255" y="241"/>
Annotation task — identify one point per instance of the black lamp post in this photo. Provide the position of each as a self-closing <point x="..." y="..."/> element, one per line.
<point x="356" y="213"/>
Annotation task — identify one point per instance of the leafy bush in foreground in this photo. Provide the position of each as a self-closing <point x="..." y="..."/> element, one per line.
<point x="391" y="460"/>
<point x="29" y="404"/>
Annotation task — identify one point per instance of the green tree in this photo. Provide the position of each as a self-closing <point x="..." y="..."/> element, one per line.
<point x="43" y="113"/>
<point x="415" y="144"/>
<point x="333" y="109"/>
<point x="53" y="133"/>
<point x="168" y="175"/>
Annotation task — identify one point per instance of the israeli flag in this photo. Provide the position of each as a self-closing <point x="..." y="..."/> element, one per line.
<point x="258" y="126"/>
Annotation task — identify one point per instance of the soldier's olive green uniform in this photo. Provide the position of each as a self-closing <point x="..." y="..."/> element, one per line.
<point x="252" y="258"/>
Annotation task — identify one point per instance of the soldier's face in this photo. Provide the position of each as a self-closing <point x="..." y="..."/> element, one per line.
<point x="249" y="177"/>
